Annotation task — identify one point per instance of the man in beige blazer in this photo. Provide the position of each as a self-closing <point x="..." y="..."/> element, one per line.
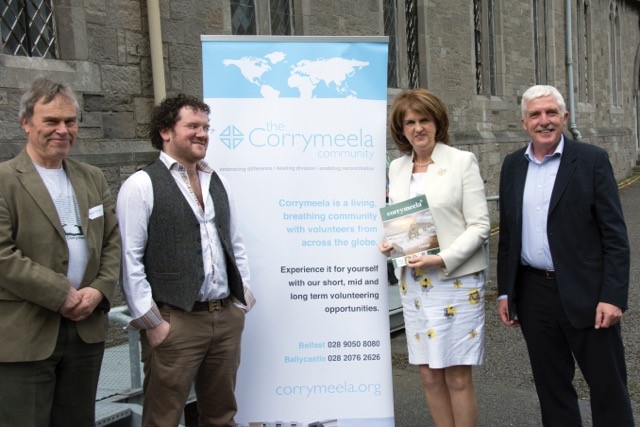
<point x="59" y="264"/>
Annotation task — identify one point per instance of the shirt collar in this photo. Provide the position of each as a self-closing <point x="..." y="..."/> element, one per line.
<point x="528" y="154"/>
<point x="172" y="163"/>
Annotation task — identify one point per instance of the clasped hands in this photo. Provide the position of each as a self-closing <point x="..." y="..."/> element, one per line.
<point x="80" y="303"/>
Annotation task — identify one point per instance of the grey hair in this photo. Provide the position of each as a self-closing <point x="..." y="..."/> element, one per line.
<point x="44" y="90"/>
<point x="539" y="91"/>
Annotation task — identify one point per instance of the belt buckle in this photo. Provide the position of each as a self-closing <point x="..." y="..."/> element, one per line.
<point x="215" y="305"/>
<point x="549" y="274"/>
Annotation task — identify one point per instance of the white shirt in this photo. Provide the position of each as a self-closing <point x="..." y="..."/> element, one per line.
<point x="417" y="185"/>
<point x="541" y="177"/>
<point x="134" y="207"/>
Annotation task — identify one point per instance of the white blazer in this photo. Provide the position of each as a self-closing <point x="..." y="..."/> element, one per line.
<point x="456" y="197"/>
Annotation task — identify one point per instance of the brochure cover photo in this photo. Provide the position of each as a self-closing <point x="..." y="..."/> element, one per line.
<point x="408" y="228"/>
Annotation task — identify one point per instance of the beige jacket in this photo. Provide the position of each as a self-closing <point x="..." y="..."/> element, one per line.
<point x="34" y="257"/>
<point x="456" y="197"/>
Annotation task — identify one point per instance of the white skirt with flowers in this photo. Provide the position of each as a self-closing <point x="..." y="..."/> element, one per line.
<point x="444" y="319"/>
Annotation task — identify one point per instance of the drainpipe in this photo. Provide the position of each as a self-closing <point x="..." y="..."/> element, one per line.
<point x="157" y="60"/>
<point x="573" y="128"/>
<point x="636" y="91"/>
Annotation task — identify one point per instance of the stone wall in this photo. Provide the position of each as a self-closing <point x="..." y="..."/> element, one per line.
<point x="104" y="46"/>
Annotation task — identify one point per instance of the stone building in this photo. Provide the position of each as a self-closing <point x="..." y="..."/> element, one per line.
<point x="478" y="55"/>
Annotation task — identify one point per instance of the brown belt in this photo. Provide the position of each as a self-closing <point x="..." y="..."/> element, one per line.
<point x="547" y="274"/>
<point x="209" y="306"/>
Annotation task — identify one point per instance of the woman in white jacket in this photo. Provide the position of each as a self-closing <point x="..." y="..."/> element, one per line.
<point x="443" y="294"/>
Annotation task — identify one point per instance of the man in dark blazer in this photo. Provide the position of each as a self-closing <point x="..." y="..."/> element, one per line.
<point x="59" y="265"/>
<point x="563" y="265"/>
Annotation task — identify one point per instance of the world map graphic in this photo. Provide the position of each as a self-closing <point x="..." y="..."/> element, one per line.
<point x="276" y="77"/>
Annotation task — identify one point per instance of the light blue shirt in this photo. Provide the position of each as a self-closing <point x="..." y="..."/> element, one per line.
<point x="541" y="176"/>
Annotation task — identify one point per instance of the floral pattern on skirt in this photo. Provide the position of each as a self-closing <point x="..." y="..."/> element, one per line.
<point x="444" y="319"/>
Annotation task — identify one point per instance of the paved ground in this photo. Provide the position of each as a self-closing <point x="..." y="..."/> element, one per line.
<point x="506" y="394"/>
<point x="504" y="385"/>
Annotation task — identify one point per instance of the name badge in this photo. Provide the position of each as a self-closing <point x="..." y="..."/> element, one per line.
<point x="96" y="212"/>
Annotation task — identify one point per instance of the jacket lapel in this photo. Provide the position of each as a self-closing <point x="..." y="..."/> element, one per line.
<point x="78" y="182"/>
<point x="565" y="171"/>
<point x="519" y="178"/>
<point x="30" y="179"/>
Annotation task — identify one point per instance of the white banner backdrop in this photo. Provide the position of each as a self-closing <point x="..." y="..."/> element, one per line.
<point x="300" y="135"/>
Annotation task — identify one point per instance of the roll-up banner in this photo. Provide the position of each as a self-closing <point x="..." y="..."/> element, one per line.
<point x="299" y="131"/>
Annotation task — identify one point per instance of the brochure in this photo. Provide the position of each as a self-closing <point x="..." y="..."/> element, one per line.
<point x="408" y="227"/>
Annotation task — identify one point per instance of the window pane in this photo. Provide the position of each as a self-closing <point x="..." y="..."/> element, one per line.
<point x="13" y="24"/>
<point x="390" y="31"/>
<point x="243" y="17"/>
<point x="484" y="32"/>
<point x="41" y="28"/>
<point x="411" y="10"/>
<point x="28" y="28"/>
<point x="280" y="17"/>
<point x="477" y="27"/>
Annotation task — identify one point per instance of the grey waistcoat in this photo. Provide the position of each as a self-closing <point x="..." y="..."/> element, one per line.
<point x="173" y="256"/>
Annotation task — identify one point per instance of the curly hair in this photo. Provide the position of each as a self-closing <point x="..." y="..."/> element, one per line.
<point x="423" y="102"/>
<point x="167" y="114"/>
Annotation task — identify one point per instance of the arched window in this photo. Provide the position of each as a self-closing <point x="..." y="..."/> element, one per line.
<point x="616" y="61"/>
<point x="540" y="41"/>
<point x="413" y="57"/>
<point x="583" y="49"/>
<point x="484" y="16"/>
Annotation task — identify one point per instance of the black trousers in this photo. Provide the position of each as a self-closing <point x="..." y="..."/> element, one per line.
<point x="553" y="344"/>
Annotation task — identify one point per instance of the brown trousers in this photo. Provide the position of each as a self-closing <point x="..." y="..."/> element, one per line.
<point x="202" y="347"/>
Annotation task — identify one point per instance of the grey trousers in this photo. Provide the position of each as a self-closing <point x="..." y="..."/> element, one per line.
<point x="59" y="391"/>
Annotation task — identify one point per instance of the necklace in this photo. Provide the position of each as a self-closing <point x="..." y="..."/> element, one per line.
<point x="427" y="163"/>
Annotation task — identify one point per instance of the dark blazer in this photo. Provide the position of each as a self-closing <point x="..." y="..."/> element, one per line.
<point x="585" y="227"/>
<point x="34" y="257"/>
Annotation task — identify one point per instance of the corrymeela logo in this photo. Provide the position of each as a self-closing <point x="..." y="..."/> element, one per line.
<point x="231" y="137"/>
